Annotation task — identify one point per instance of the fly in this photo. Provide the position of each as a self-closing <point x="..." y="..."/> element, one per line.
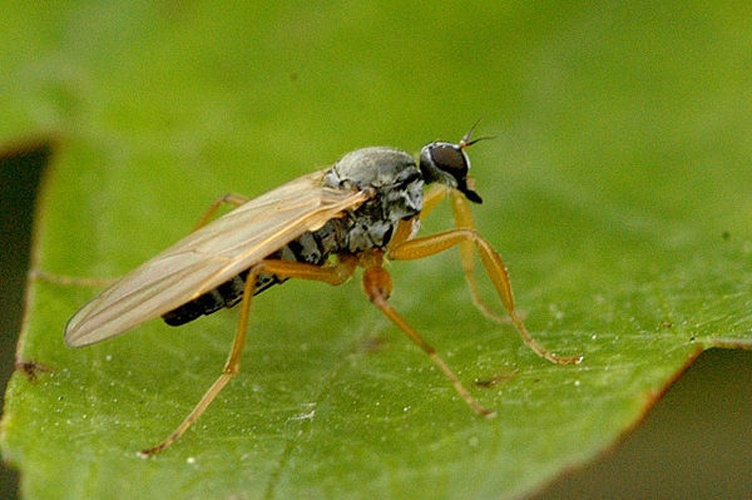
<point x="320" y="227"/>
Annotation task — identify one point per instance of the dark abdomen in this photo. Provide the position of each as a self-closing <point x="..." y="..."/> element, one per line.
<point x="311" y="248"/>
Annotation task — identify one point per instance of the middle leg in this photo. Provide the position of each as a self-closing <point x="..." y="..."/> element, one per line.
<point x="378" y="285"/>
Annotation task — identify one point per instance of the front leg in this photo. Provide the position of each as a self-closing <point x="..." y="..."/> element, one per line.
<point x="431" y="245"/>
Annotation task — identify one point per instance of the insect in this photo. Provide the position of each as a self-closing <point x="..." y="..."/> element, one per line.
<point x="321" y="227"/>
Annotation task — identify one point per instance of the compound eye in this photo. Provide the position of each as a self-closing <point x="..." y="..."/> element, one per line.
<point x="448" y="164"/>
<point x="451" y="159"/>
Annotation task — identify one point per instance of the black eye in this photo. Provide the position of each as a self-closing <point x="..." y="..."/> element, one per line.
<point x="447" y="164"/>
<point x="450" y="158"/>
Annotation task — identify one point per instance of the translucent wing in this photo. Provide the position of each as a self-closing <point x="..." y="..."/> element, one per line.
<point x="210" y="256"/>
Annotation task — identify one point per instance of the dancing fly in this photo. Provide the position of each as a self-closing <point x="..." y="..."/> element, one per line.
<point x="322" y="226"/>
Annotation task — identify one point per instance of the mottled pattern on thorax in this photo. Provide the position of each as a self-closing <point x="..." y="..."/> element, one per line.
<point x="398" y="187"/>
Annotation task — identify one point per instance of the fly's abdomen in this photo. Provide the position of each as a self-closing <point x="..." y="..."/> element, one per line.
<point x="227" y="294"/>
<point x="311" y="248"/>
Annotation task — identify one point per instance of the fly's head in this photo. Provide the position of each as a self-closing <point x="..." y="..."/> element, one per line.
<point x="448" y="164"/>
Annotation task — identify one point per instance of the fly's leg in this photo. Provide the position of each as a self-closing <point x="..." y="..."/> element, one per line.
<point x="233" y="199"/>
<point x="432" y="198"/>
<point x="432" y="245"/>
<point x="332" y="274"/>
<point x="378" y="286"/>
<point x="231" y="368"/>
<point x="463" y="219"/>
<point x="407" y="228"/>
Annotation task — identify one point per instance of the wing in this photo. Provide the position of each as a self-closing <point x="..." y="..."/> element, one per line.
<point x="210" y="256"/>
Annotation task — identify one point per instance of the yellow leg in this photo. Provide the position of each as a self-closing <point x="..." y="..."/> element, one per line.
<point x="463" y="219"/>
<point x="378" y="286"/>
<point x="229" y="199"/>
<point x="405" y="228"/>
<point x="432" y="198"/>
<point x="332" y="274"/>
<point x="232" y="366"/>
<point x="431" y="245"/>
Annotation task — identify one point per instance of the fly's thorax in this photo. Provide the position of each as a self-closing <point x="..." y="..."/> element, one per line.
<point x="398" y="193"/>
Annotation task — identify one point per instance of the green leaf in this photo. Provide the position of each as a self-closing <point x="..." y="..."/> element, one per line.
<point x="617" y="190"/>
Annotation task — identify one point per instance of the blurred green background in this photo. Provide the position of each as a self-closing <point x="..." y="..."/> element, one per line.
<point x="694" y="443"/>
<point x="652" y="94"/>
